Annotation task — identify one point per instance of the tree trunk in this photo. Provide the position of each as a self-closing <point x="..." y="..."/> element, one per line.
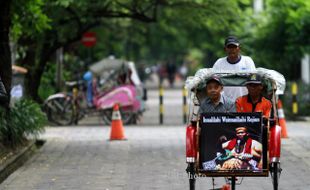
<point x="36" y="61"/>
<point x="5" y="53"/>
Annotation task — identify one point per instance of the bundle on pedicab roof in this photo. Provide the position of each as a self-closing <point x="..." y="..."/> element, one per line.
<point x="272" y="79"/>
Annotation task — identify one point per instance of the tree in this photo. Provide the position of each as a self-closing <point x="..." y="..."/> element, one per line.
<point x="67" y="20"/>
<point x="5" y="54"/>
<point x="283" y="36"/>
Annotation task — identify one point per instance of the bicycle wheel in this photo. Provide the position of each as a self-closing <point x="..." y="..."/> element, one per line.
<point x="60" y="111"/>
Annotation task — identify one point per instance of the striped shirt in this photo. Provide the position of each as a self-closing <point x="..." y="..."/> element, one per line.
<point x="225" y="105"/>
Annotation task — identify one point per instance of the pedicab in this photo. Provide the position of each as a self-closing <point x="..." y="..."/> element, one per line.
<point x="119" y="84"/>
<point x="210" y="137"/>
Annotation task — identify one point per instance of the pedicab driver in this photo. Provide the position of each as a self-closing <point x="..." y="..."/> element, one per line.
<point x="234" y="62"/>
<point x="215" y="100"/>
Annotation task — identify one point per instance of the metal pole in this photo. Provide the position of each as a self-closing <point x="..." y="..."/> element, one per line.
<point x="184" y="105"/>
<point x="305" y="69"/>
<point x="59" y="60"/>
<point x="161" y="107"/>
<point x="294" y="95"/>
<point x="233" y="182"/>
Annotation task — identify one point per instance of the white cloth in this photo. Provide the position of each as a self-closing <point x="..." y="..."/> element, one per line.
<point x="233" y="92"/>
<point x="245" y="64"/>
<point x="17" y="91"/>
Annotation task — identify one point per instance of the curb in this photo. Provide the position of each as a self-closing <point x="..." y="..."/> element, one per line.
<point x="19" y="159"/>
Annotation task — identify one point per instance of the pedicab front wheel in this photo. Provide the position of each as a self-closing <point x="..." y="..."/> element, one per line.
<point x="191" y="175"/>
<point x="275" y="171"/>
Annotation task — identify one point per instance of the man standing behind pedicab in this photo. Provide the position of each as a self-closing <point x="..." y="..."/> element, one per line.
<point x="234" y="61"/>
<point x="215" y="100"/>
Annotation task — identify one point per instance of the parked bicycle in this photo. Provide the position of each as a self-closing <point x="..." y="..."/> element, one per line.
<point x="64" y="108"/>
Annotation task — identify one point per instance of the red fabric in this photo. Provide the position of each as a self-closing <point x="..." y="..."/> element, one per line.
<point x="232" y="143"/>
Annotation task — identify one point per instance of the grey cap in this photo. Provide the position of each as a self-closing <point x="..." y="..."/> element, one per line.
<point x="215" y="78"/>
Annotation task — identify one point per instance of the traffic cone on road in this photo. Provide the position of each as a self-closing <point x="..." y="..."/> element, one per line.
<point x="117" y="129"/>
<point x="282" y="120"/>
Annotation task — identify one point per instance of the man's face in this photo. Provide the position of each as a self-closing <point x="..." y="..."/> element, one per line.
<point x="232" y="51"/>
<point x="254" y="90"/>
<point x="214" y="90"/>
<point x="241" y="135"/>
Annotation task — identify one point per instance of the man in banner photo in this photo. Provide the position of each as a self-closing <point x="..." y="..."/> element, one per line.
<point x="241" y="152"/>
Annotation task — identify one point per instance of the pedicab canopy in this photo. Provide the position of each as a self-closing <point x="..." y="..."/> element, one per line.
<point x="272" y="79"/>
<point x="106" y="66"/>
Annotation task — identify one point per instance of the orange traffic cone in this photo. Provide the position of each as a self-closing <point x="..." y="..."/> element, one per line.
<point x="117" y="129"/>
<point x="226" y="187"/>
<point x="282" y="121"/>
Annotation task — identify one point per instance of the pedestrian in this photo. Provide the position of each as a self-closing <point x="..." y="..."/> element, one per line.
<point x="171" y="70"/>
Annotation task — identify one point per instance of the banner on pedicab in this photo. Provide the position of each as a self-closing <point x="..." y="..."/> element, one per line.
<point x="232" y="144"/>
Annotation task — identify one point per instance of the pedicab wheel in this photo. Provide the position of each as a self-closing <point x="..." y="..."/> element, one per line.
<point x="191" y="175"/>
<point x="59" y="111"/>
<point x="126" y="115"/>
<point x="275" y="174"/>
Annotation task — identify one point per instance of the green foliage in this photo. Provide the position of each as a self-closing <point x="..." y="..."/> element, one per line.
<point x="182" y="26"/>
<point x="129" y="29"/>
<point x="29" y="18"/>
<point x="25" y="118"/>
<point x="282" y="36"/>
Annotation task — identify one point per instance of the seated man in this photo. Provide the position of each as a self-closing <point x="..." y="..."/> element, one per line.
<point x="243" y="152"/>
<point x="254" y="101"/>
<point x="216" y="101"/>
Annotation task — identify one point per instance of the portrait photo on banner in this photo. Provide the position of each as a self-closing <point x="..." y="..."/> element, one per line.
<point x="232" y="143"/>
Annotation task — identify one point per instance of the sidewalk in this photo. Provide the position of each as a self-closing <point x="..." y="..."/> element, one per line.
<point x="153" y="157"/>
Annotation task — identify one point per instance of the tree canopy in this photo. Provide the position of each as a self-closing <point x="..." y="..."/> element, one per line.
<point x="151" y="30"/>
<point x="155" y="31"/>
<point x="282" y="36"/>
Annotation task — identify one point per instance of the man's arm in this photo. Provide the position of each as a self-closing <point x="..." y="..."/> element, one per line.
<point x="256" y="149"/>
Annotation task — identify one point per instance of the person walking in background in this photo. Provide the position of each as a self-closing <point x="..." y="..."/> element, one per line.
<point x="162" y="72"/>
<point x="171" y="70"/>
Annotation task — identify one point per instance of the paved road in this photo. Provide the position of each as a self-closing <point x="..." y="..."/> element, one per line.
<point x="81" y="157"/>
